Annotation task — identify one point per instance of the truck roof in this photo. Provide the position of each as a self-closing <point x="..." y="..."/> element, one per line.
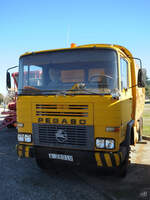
<point x="113" y="46"/>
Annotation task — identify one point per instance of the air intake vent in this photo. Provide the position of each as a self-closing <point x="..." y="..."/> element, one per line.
<point x="69" y="110"/>
<point x="59" y="106"/>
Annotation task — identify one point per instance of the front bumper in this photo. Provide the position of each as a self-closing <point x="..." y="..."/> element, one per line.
<point x="101" y="159"/>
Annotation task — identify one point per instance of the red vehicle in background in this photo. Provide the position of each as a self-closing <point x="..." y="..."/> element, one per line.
<point x="9" y="116"/>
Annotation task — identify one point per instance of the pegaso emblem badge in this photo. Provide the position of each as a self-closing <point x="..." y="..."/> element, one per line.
<point x="61" y="136"/>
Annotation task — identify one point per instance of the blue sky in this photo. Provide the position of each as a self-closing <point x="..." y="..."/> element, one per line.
<point x="48" y="24"/>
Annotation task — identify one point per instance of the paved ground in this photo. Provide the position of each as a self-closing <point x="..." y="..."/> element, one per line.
<point x="22" y="179"/>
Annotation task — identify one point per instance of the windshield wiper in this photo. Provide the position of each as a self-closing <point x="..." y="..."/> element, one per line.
<point x="30" y="89"/>
<point x="79" y="87"/>
<point x="89" y="91"/>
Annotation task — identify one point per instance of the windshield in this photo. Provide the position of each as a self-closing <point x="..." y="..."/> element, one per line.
<point x="78" y="71"/>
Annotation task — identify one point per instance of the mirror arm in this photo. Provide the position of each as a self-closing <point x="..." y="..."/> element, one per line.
<point x="138" y="60"/>
<point x="11" y="68"/>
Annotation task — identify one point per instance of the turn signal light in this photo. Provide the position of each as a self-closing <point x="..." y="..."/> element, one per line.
<point x="112" y="129"/>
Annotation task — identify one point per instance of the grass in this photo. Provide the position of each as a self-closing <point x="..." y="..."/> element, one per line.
<point x="146" y="118"/>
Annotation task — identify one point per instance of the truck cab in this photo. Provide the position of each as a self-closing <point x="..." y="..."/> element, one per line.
<point x="82" y="104"/>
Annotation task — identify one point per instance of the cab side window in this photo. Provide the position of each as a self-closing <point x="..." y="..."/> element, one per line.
<point x="124" y="74"/>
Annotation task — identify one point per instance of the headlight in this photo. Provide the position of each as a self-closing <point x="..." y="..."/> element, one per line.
<point x="112" y="129"/>
<point x="24" y="137"/>
<point x="110" y="144"/>
<point x="105" y="143"/>
<point x="100" y="143"/>
<point x="20" y="137"/>
<point x="27" y="138"/>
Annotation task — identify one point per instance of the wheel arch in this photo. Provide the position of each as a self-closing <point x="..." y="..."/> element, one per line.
<point x="129" y="138"/>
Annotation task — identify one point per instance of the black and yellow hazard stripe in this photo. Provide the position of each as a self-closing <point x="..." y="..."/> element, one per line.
<point x="19" y="149"/>
<point x="108" y="159"/>
<point x="23" y="151"/>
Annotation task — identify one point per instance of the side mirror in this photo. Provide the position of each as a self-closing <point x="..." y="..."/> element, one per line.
<point x="141" y="78"/>
<point x="8" y="80"/>
<point x="8" y="77"/>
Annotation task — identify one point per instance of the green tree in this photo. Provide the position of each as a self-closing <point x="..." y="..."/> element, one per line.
<point x="1" y="98"/>
<point x="147" y="88"/>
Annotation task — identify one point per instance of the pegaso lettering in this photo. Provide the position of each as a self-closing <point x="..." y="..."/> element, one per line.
<point x="62" y="121"/>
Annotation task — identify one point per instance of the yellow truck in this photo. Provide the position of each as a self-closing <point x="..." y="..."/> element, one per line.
<point x="82" y="104"/>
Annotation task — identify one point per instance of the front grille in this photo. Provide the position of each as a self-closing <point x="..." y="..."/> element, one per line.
<point x="70" y="136"/>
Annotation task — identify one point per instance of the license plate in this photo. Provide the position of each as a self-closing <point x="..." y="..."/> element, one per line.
<point x="60" y="157"/>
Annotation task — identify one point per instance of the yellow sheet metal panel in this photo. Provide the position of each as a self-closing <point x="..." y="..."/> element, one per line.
<point x="24" y="113"/>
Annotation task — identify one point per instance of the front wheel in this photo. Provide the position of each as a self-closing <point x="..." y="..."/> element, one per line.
<point x="123" y="168"/>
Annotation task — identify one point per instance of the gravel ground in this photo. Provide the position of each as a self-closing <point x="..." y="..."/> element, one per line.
<point x="22" y="179"/>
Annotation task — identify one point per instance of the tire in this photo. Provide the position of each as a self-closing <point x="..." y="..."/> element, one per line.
<point x="44" y="163"/>
<point x="123" y="168"/>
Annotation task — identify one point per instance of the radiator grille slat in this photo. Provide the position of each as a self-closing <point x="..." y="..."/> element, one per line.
<point x="53" y="110"/>
<point x="59" y="106"/>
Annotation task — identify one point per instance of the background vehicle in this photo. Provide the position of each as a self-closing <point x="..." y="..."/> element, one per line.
<point x="90" y="111"/>
<point x="9" y="120"/>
